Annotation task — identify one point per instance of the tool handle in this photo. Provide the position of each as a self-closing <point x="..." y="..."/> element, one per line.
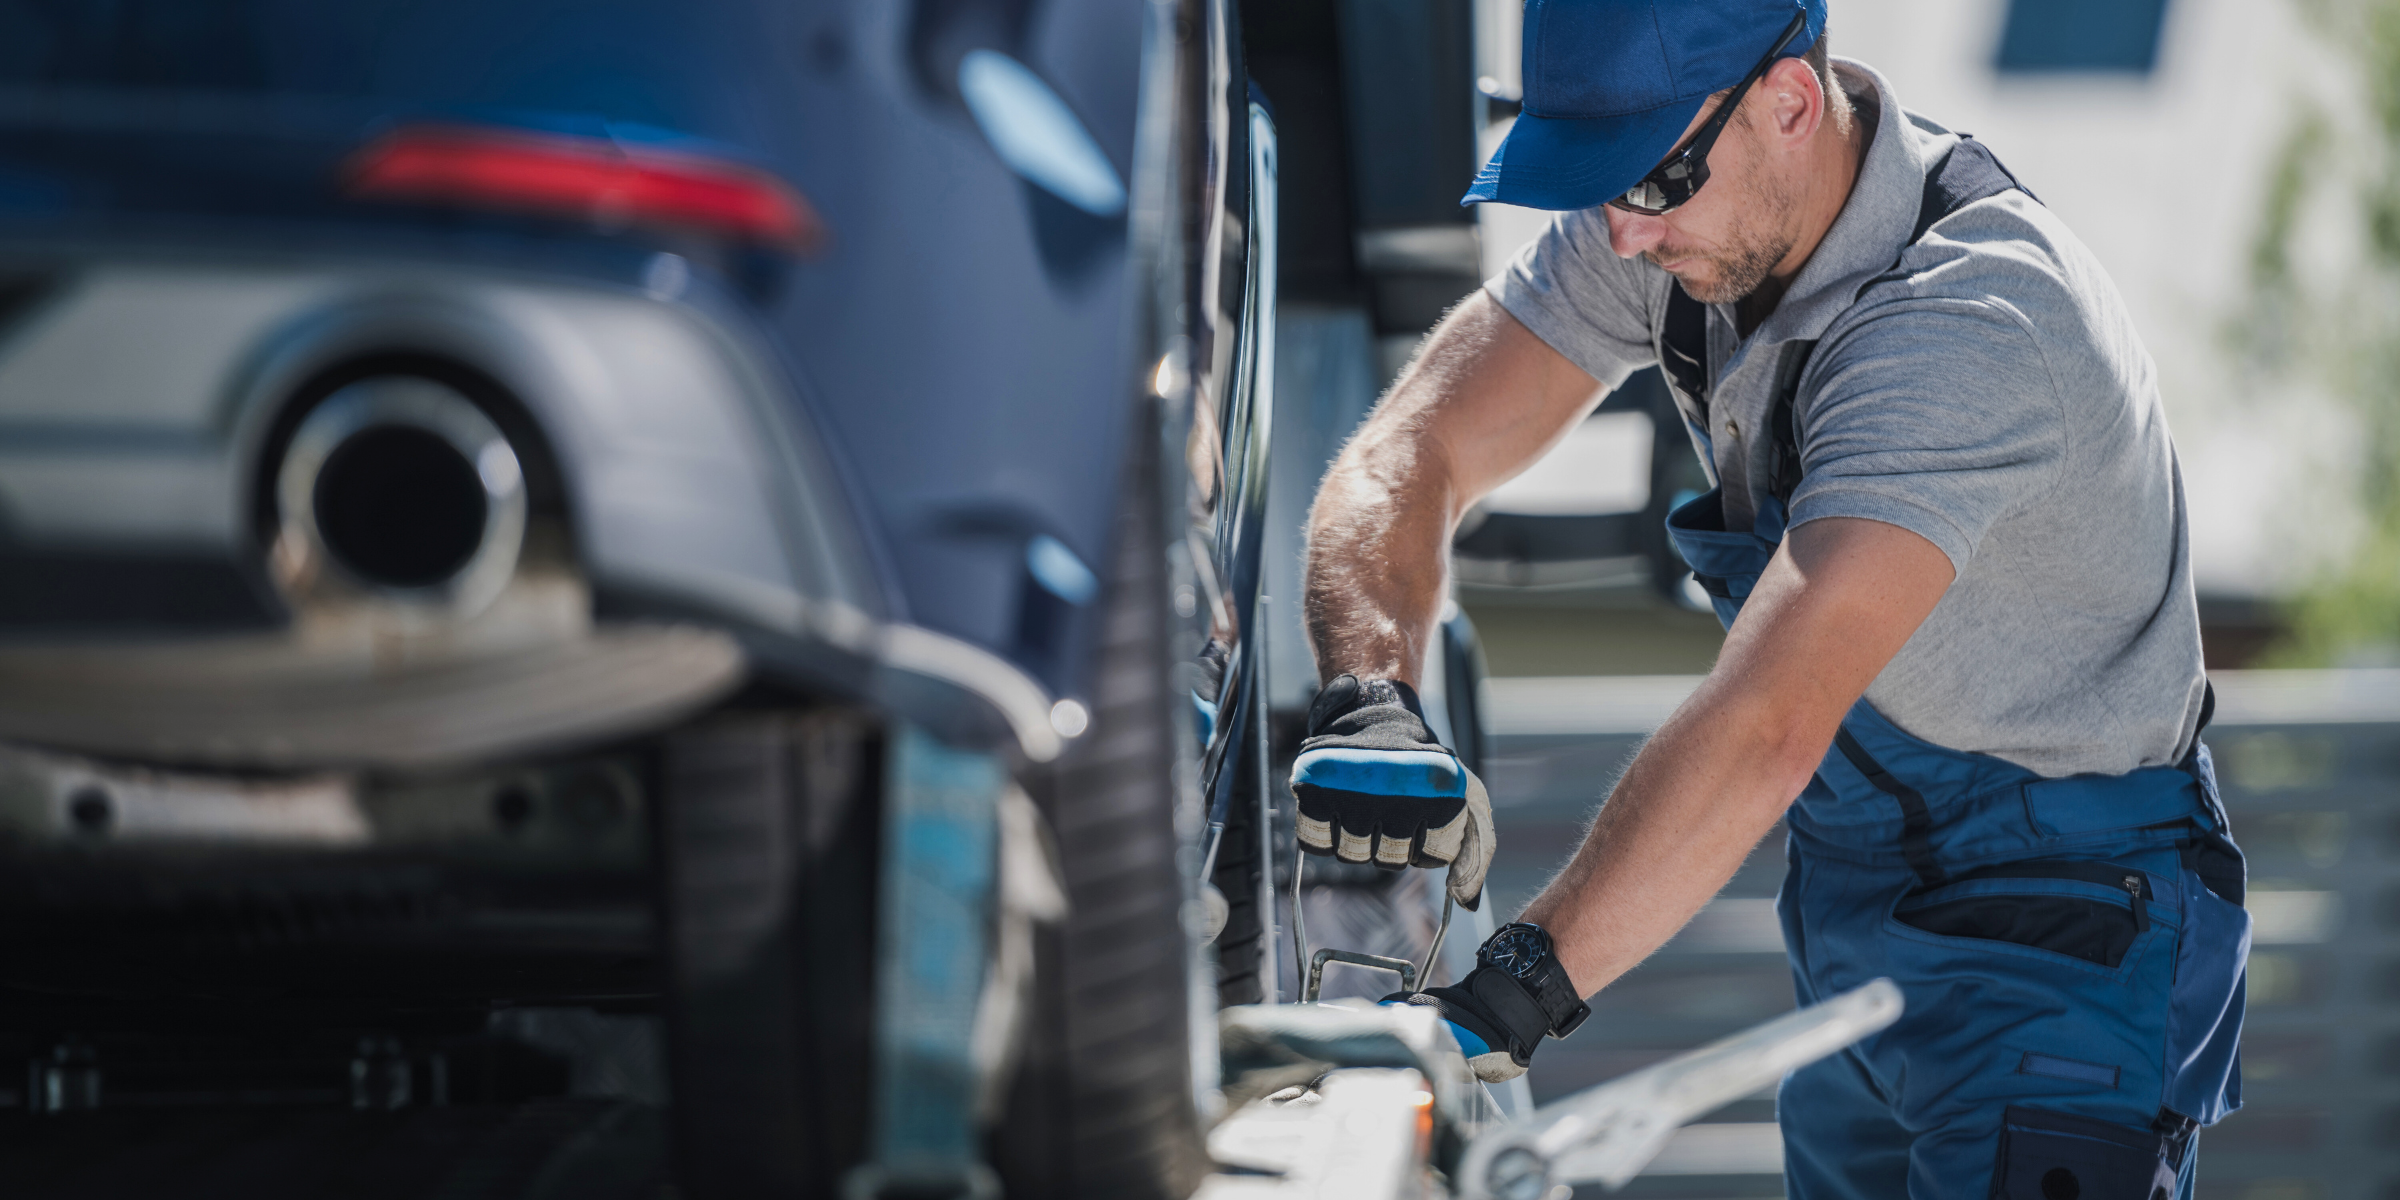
<point x="1606" y="1134"/>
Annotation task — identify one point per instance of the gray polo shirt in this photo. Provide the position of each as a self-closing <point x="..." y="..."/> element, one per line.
<point x="1983" y="389"/>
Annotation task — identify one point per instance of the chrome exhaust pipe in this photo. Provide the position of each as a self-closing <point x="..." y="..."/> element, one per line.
<point x="399" y="490"/>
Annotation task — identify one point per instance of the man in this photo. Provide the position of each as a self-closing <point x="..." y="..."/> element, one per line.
<point x="1947" y="537"/>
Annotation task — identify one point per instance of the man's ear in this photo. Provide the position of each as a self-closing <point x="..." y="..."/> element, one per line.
<point x="1796" y="101"/>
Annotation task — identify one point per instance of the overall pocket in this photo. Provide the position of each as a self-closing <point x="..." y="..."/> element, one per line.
<point x="2059" y="1156"/>
<point x="2096" y="917"/>
<point x="1725" y="564"/>
<point x="2204" y="1020"/>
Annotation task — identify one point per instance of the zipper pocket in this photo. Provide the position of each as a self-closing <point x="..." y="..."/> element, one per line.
<point x="2133" y="883"/>
<point x="2080" y="927"/>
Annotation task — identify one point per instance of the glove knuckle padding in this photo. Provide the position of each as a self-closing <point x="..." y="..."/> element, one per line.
<point x="1315" y="832"/>
<point x="1441" y="842"/>
<point x="1372" y="783"/>
<point x="1477" y="838"/>
<point x="1339" y="772"/>
<point x="1353" y="847"/>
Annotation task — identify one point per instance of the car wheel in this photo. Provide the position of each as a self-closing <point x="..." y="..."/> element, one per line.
<point x="1102" y="1103"/>
<point x="1244" y="950"/>
<point x="768" y="841"/>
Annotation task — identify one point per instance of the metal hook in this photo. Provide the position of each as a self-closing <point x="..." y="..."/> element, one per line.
<point x="1299" y="919"/>
<point x="1439" y="932"/>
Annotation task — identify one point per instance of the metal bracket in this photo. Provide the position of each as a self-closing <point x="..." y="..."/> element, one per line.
<point x="1316" y="969"/>
<point x="1409" y="972"/>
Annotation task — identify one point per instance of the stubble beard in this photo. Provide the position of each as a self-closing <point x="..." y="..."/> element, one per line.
<point x="1750" y="253"/>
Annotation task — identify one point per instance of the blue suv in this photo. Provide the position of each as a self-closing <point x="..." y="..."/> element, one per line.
<point x="606" y="597"/>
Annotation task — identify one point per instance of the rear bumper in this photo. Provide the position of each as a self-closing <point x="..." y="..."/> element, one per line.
<point x="696" y="536"/>
<point x="270" y="703"/>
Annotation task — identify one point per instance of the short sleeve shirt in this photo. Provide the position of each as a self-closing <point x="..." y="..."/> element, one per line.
<point x="1983" y="388"/>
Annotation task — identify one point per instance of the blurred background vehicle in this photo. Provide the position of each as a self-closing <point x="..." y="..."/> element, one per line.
<point x="599" y="599"/>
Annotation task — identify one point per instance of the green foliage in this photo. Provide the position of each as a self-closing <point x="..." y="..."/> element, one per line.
<point x="2350" y="614"/>
<point x="2345" y="331"/>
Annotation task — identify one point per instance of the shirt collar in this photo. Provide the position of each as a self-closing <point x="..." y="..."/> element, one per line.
<point x="1875" y="223"/>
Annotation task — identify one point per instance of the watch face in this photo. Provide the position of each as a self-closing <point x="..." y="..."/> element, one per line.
<point x="1517" y="949"/>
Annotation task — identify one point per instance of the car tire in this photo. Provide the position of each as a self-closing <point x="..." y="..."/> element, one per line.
<point x="1103" y="1103"/>
<point x="768" y="840"/>
<point x="1243" y="949"/>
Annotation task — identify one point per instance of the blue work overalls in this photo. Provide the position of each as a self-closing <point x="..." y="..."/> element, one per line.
<point x="2071" y="950"/>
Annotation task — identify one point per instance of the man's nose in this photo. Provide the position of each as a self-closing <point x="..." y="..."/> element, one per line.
<point x="1631" y="233"/>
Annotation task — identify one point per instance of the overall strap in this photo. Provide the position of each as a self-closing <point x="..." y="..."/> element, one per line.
<point x="2196" y="761"/>
<point x="1916" y="821"/>
<point x="1966" y="174"/>
<point x="1683" y="357"/>
<point x="1784" y="475"/>
<point x="1683" y="350"/>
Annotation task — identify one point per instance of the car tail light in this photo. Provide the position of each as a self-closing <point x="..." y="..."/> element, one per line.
<point x="590" y="178"/>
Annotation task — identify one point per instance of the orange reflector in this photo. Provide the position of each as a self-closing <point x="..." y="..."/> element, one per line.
<point x="595" y="179"/>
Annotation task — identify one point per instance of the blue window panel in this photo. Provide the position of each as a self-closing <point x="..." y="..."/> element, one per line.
<point x="2082" y="35"/>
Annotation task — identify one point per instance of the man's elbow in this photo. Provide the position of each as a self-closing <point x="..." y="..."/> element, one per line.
<point x="1385" y="475"/>
<point x="1784" y="742"/>
<point x="1794" y="751"/>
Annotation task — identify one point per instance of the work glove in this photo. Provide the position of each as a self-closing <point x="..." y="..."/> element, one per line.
<point x="1498" y="1047"/>
<point x="1373" y="785"/>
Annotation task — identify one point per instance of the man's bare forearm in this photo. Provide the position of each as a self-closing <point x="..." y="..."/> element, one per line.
<point x="1483" y="399"/>
<point x="1378" y="556"/>
<point x="1693" y="804"/>
<point x="1840" y="598"/>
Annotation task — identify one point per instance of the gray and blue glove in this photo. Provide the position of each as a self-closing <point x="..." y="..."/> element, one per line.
<point x="1374" y="785"/>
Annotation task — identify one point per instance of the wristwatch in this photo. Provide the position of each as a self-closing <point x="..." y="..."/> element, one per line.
<point x="1520" y="953"/>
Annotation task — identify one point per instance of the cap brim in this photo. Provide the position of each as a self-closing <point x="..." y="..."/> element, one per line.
<point x="1578" y="162"/>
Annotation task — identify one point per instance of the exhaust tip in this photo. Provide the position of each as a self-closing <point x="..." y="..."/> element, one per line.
<point x="405" y="490"/>
<point x="400" y="507"/>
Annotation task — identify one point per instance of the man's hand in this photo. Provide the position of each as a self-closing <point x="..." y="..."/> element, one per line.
<point x="1374" y="785"/>
<point x="1497" y="1050"/>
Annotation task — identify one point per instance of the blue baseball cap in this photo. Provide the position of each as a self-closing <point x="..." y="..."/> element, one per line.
<point x="1610" y="86"/>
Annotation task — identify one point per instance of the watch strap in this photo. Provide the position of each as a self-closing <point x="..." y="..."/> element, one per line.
<point x="1555" y="993"/>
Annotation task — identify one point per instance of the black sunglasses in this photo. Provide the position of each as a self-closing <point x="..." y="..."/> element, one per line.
<point x="1672" y="183"/>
